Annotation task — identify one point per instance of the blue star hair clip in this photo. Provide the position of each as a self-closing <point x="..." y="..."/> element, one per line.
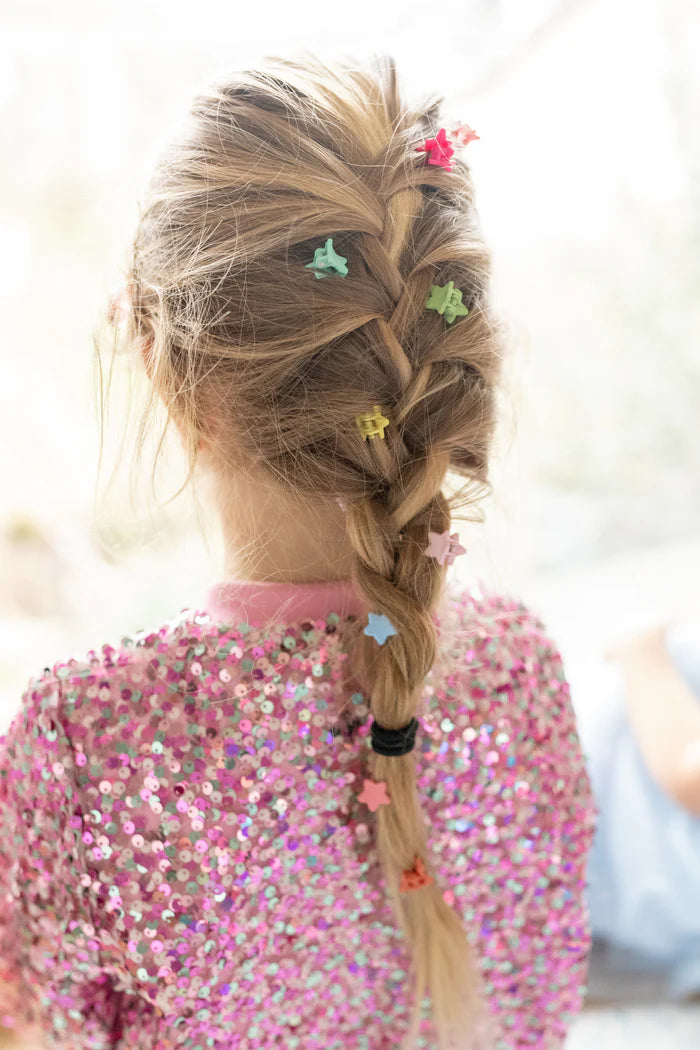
<point x="379" y="627"/>
<point x="327" y="261"/>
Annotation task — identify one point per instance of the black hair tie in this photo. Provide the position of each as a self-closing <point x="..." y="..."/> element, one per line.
<point x="394" y="742"/>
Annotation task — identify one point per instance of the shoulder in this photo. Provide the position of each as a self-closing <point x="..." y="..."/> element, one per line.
<point x="500" y="668"/>
<point x="509" y="803"/>
<point x="34" y="737"/>
<point x="494" y="631"/>
<point x="69" y="683"/>
<point x="150" y="676"/>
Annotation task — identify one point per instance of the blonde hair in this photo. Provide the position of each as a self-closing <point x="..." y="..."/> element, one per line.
<point x="236" y="327"/>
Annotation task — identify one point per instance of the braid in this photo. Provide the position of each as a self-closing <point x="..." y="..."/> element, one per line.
<point x="389" y="537"/>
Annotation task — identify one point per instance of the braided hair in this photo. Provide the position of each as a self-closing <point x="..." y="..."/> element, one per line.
<point x="270" y="163"/>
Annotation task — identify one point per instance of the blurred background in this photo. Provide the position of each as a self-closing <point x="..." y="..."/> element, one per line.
<point x="587" y="175"/>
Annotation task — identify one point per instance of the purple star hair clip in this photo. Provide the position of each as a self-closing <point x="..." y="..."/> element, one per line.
<point x="444" y="547"/>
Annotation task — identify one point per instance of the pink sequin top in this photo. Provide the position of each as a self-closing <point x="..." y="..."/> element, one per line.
<point x="184" y="860"/>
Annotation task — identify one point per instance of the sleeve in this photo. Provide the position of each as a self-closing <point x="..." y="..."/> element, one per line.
<point x="50" y="974"/>
<point x="557" y="820"/>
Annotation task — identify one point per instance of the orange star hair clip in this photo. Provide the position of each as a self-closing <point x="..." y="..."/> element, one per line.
<point x="415" y="878"/>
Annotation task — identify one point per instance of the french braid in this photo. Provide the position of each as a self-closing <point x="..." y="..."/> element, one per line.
<point x="389" y="535"/>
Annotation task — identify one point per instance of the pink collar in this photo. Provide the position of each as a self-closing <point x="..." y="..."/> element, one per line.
<point x="233" y="601"/>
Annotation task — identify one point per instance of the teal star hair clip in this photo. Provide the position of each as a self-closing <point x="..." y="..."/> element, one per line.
<point x="447" y="300"/>
<point x="326" y="260"/>
<point x="379" y="627"/>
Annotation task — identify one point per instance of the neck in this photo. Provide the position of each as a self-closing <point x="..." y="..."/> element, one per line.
<point x="270" y="536"/>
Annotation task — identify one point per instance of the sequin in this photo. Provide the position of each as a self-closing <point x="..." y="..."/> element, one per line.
<point x="185" y="861"/>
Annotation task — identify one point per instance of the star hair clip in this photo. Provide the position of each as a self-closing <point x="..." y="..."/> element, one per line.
<point x="372" y="424"/>
<point x="415" y="878"/>
<point x="444" y="547"/>
<point x="327" y="261"/>
<point x="374" y="794"/>
<point x="379" y="627"/>
<point x="446" y="300"/>
<point x="439" y="150"/>
<point x="463" y="134"/>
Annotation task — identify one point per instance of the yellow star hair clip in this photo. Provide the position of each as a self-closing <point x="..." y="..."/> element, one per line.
<point x="372" y="424"/>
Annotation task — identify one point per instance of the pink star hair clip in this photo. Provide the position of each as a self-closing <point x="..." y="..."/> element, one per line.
<point x="444" y="547"/>
<point x="439" y="150"/>
<point x="463" y="135"/>
<point x="374" y="794"/>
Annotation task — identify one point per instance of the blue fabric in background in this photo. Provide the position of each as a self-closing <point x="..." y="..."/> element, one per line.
<point x="644" y="871"/>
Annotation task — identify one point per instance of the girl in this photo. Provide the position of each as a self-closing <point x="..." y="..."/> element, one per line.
<point x="336" y="805"/>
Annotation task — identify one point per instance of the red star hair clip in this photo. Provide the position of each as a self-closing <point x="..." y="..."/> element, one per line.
<point x="415" y="878"/>
<point x="439" y="150"/>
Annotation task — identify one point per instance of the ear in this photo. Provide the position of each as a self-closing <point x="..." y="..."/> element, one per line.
<point x="119" y="307"/>
<point x="146" y="347"/>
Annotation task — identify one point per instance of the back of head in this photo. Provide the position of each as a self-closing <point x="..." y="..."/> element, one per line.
<point x="239" y="331"/>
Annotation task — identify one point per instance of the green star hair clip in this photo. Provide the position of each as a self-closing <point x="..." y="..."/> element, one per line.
<point x="326" y="260"/>
<point x="447" y="300"/>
